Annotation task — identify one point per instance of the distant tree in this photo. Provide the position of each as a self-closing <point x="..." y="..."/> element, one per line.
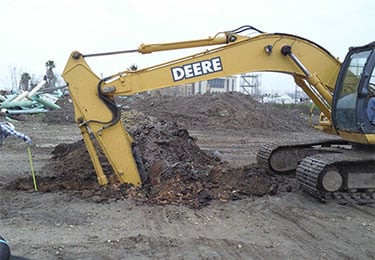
<point x="13" y="73"/>
<point x="50" y="76"/>
<point x="25" y="81"/>
<point x="12" y="82"/>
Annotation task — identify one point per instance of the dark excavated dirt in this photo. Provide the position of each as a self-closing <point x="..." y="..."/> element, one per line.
<point x="180" y="172"/>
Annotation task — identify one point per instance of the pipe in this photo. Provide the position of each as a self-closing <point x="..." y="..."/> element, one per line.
<point x="36" y="89"/>
<point x="9" y="99"/>
<point x="25" y="103"/>
<point x="26" y="111"/>
<point x="4" y="249"/>
<point x="21" y="96"/>
<point x="31" y="93"/>
<point x="47" y="90"/>
<point x="45" y="102"/>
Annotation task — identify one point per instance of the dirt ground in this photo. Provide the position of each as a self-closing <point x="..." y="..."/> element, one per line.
<point x="210" y="200"/>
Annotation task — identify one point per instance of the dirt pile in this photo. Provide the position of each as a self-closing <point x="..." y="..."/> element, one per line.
<point x="224" y="111"/>
<point x="180" y="172"/>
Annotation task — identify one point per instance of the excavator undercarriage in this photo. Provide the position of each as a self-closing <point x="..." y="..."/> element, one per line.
<point x="328" y="169"/>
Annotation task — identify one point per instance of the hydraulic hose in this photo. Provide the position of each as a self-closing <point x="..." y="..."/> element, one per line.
<point x="4" y="249"/>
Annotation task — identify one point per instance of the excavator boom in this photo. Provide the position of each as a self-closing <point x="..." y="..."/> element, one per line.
<point x="314" y="69"/>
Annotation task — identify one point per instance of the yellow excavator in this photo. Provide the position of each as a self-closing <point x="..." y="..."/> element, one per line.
<point x="326" y="169"/>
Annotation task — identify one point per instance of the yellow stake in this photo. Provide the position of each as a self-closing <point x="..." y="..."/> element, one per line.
<point x="32" y="168"/>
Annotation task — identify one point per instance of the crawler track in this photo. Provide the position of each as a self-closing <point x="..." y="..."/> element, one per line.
<point x="284" y="158"/>
<point x="352" y="166"/>
<point x="327" y="169"/>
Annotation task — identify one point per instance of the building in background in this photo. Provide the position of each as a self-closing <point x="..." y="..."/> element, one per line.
<point x="218" y="85"/>
<point x="249" y="84"/>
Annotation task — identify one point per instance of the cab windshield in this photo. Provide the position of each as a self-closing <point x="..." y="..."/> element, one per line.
<point x="346" y="116"/>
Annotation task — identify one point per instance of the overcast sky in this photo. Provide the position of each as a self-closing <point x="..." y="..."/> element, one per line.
<point x="34" y="31"/>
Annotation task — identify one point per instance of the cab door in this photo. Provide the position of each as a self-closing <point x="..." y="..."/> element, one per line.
<point x="351" y="91"/>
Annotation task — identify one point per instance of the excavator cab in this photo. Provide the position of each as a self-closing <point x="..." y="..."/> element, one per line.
<point x="351" y="94"/>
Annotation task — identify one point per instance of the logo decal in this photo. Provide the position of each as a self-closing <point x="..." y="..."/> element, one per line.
<point x="196" y="69"/>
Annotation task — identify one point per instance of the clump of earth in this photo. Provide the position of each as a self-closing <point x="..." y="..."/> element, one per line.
<point x="180" y="172"/>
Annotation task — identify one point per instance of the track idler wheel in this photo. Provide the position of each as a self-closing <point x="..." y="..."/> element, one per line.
<point x="331" y="179"/>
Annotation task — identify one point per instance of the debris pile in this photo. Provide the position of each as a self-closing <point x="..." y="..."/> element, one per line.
<point x="31" y="102"/>
<point x="180" y="172"/>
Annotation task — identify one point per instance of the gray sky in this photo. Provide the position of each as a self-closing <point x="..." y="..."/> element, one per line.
<point x="33" y="32"/>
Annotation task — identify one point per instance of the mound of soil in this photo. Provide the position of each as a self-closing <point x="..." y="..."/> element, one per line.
<point x="224" y="111"/>
<point x="180" y="172"/>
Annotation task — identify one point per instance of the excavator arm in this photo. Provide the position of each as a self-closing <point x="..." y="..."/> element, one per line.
<point x="314" y="69"/>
